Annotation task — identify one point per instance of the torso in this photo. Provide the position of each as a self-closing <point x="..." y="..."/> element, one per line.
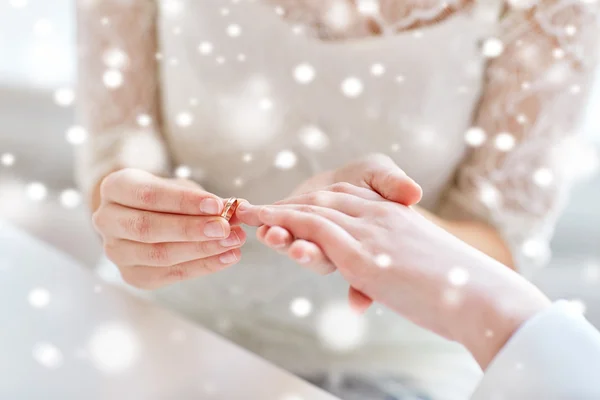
<point x="247" y="126"/>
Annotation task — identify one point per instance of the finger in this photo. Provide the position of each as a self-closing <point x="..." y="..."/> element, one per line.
<point x="311" y="256"/>
<point x="140" y="189"/>
<point x="261" y="232"/>
<point x="145" y="277"/>
<point x="247" y="213"/>
<point x="333" y="239"/>
<point x="129" y="253"/>
<point x="381" y="174"/>
<point x="149" y="227"/>
<point x="235" y="220"/>
<point x="359" y="301"/>
<point x="391" y="182"/>
<point x="278" y="238"/>
<point x="342" y="202"/>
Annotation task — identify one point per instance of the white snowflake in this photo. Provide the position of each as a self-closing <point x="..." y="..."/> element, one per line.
<point x="535" y="249"/>
<point x="36" y="191"/>
<point x="301" y="307"/>
<point x="505" y="141"/>
<point x="383" y="260"/>
<point x="475" y="136"/>
<point x="48" y="355"/>
<point x="377" y="69"/>
<point x="112" y="78"/>
<point x="184" y="119"/>
<point x="492" y="47"/>
<point x="265" y="104"/>
<point x="115" y="58"/>
<point x="113" y="348"/>
<point x="183" y="172"/>
<point x="144" y="120"/>
<point x="70" y="198"/>
<point x="314" y="138"/>
<point x="352" y="87"/>
<point x="7" y="159"/>
<point x="64" y="97"/>
<point x="571" y="30"/>
<point x="304" y="73"/>
<point x="558" y="53"/>
<point x="340" y="328"/>
<point x="39" y="298"/>
<point x="458" y="276"/>
<point x="339" y="15"/>
<point x="205" y="48"/>
<point x="543" y="177"/>
<point x="368" y="7"/>
<point x="234" y="30"/>
<point x="76" y="135"/>
<point x="286" y="159"/>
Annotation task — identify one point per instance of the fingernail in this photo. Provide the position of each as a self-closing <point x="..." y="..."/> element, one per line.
<point x="232" y="240"/>
<point x="210" y="207"/>
<point x="228" y="257"/>
<point x="215" y="229"/>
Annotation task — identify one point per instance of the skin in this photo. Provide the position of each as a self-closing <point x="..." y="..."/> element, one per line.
<point x="160" y="231"/>
<point x="353" y="227"/>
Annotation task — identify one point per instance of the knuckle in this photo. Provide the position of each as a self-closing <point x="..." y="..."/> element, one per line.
<point x="111" y="251"/>
<point x="178" y="272"/>
<point x="187" y="199"/>
<point x="307" y="208"/>
<point x="140" y="226"/>
<point x="203" y="248"/>
<point x="146" y="194"/>
<point x="98" y="219"/>
<point x="158" y="254"/>
<point x="189" y="228"/>
<point x="341" y="187"/>
<point x="108" y="183"/>
<point x="317" y="198"/>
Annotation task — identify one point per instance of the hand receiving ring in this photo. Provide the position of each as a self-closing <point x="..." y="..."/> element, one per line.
<point x="230" y="206"/>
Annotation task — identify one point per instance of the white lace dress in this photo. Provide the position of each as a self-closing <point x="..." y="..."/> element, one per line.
<point x="478" y="102"/>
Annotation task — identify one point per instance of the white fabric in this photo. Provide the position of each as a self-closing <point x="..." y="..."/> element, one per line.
<point x="553" y="356"/>
<point x="218" y="81"/>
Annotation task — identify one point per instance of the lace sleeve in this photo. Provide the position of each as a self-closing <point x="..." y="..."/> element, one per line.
<point x="516" y="175"/>
<point x="118" y="99"/>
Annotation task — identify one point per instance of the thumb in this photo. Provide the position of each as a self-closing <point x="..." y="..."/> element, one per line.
<point x="391" y="182"/>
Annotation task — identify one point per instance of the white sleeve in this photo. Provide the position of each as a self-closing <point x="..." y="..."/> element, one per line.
<point x="553" y="356"/>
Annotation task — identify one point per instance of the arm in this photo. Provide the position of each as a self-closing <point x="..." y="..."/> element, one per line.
<point x="529" y="348"/>
<point x="554" y="355"/>
<point x="504" y="196"/>
<point x="118" y="40"/>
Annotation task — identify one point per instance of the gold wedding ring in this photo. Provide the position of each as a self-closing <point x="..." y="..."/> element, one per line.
<point x="230" y="206"/>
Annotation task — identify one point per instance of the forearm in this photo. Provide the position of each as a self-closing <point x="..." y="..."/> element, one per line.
<point x="477" y="234"/>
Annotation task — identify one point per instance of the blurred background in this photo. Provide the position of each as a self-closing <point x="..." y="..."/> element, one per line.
<point x="37" y="137"/>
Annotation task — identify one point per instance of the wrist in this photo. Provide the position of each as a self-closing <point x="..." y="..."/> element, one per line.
<point x="496" y="310"/>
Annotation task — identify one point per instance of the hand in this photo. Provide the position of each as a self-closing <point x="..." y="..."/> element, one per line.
<point x="395" y="256"/>
<point x="159" y="231"/>
<point x="380" y="178"/>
